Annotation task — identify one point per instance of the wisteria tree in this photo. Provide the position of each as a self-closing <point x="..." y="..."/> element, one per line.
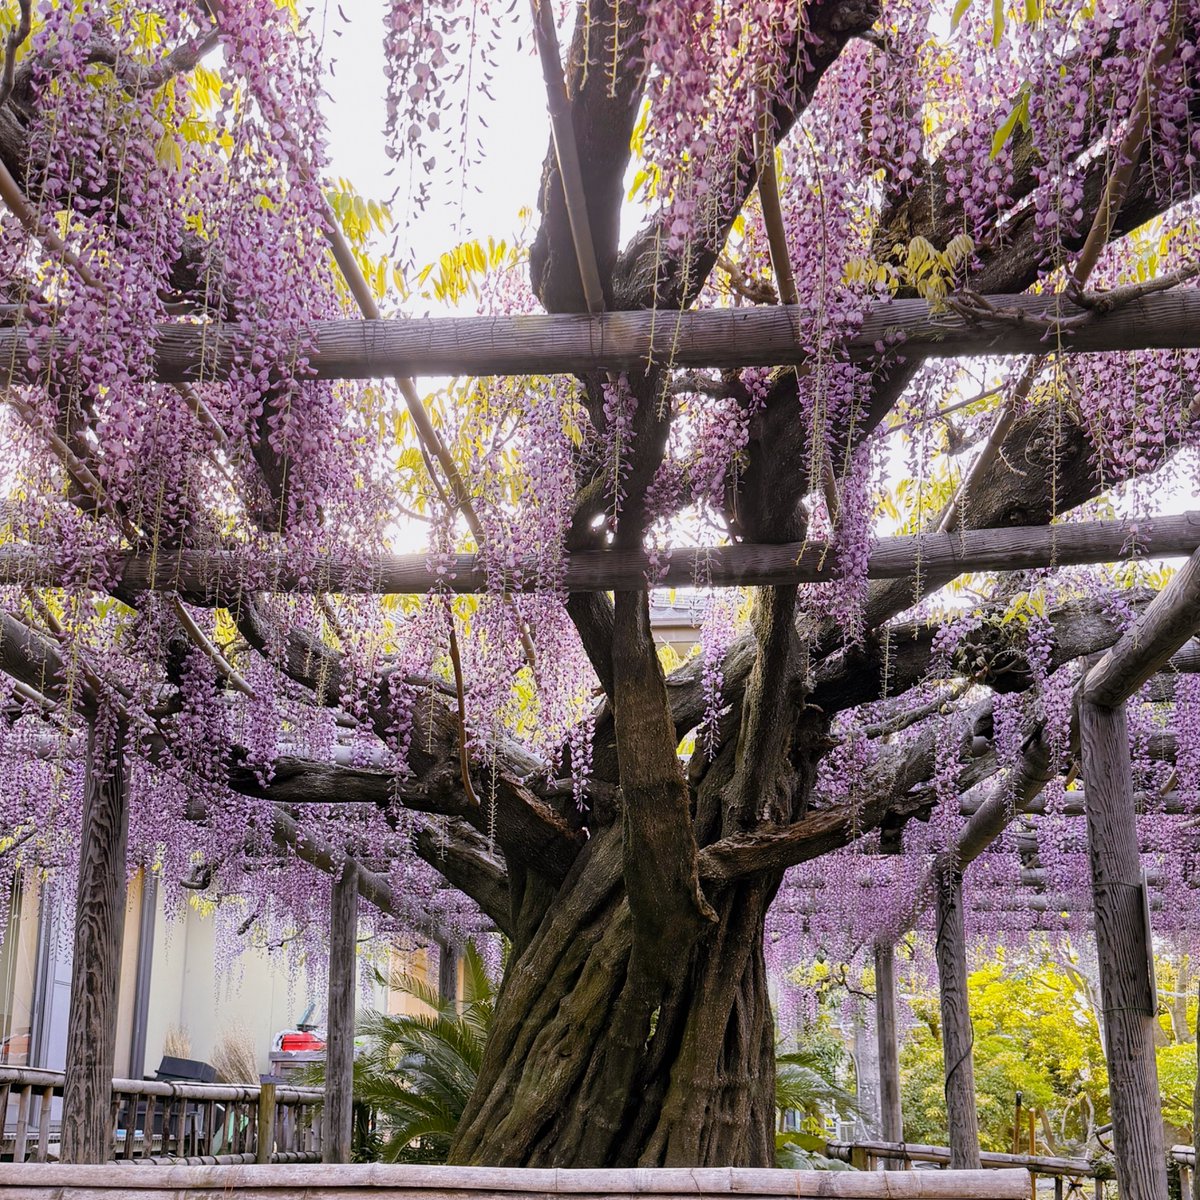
<point x="191" y="567"/>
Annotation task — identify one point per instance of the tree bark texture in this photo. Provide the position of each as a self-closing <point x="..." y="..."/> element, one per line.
<point x="1124" y="951"/>
<point x="96" y="965"/>
<point x="957" y="1034"/>
<point x="567" y="1082"/>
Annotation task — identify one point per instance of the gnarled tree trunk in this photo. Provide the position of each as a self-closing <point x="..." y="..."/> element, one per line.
<point x="596" y="1059"/>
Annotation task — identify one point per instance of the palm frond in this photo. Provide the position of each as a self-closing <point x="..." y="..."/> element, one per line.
<point x="805" y="1082"/>
<point x="419" y="1069"/>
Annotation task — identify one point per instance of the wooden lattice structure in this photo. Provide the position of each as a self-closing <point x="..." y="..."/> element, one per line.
<point x="667" y="864"/>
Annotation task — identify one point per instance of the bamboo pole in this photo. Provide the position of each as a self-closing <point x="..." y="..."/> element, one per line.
<point x="759" y="335"/>
<point x="321" y="1180"/>
<point x="1053" y="1165"/>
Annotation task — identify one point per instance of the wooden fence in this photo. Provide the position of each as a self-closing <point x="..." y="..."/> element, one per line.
<point x="392" y="1182"/>
<point x="1069" y="1174"/>
<point x="1073" y="1172"/>
<point x="156" y="1122"/>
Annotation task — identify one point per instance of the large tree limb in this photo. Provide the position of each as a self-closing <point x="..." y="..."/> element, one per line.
<point x="647" y="277"/>
<point x="775" y="849"/>
<point x="1143" y="650"/>
<point x="665" y="900"/>
<point x="605" y="76"/>
<point x="464" y="858"/>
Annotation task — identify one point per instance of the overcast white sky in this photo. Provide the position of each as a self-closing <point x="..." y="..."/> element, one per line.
<point x="497" y="187"/>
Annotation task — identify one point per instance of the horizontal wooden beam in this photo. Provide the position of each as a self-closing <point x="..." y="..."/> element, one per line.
<point x="1073" y="804"/>
<point x="914" y="1152"/>
<point x="1144" y="649"/>
<point x="765" y="335"/>
<point x="220" y="577"/>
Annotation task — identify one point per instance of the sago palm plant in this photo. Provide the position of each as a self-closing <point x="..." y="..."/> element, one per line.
<point x="418" y="1071"/>
<point x="806" y="1082"/>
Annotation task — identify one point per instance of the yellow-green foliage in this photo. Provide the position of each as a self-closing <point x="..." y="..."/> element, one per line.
<point x="1036" y="1032"/>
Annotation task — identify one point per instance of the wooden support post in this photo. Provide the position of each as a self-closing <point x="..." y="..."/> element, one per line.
<point x="1196" y="1124"/>
<point x="1124" y="951"/>
<point x="957" y="1034"/>
<point x="21" y="1131"/>
<point x="264" y="1125"/>
<point x="339" y="1018"/>
<point x="43" y="1142"/>
<point x="891" y="1118"/>
<point x="447" y="972"/>
<point x="95" y="976"/>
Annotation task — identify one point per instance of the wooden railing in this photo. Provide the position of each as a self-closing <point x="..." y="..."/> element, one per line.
<point x="157" y="1122"/>
<point x="1071" y="1172"/>
<point x="398" y="1182"/>
<point x="1068" y="1173"/>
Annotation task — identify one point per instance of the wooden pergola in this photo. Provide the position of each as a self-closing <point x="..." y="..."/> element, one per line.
<point x="1123" y="936"/>
<point x="598" y="341"/>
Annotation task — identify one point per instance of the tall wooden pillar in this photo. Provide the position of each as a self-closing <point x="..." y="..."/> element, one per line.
<point x="891" y="1120"/>
<point x="957" y="1035"/>
<point x="87" y="1123"/>
<point x="447" y="972"/>
<point x="339" y="1018"/>
<point x="1124" y="950"/>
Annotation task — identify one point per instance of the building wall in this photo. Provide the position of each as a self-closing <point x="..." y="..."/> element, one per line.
<point x="189" y="990"/>
<point x="18" y="966"/>
<point x="166" y="987"/>
<point x="190" y="993"/>
<point x="128" y="984"/>
<point x="256" y="998"/>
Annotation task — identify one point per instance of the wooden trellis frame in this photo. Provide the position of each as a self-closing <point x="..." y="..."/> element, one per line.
<point x="220" y="577"/>
<point x="565" y="343"/>
<point x="719" y="338"/>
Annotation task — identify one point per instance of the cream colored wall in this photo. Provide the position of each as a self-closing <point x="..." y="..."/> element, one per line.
<point x="422" y="964"/>
<point x="166" y="985"/>
<point x="128" y="984"/>
<point x="23" y="947"/>
<point x="259" y="996"/>
<point x="418" y="964"/>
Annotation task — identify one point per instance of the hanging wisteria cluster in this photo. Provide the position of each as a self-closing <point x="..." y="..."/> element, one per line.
<point x="173" y="171"/>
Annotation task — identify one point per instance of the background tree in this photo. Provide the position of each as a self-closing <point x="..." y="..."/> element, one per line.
<point x="1036" y="1032"/>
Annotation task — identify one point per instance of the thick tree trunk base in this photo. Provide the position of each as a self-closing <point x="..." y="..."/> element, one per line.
<point x="588" y="1064"/>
